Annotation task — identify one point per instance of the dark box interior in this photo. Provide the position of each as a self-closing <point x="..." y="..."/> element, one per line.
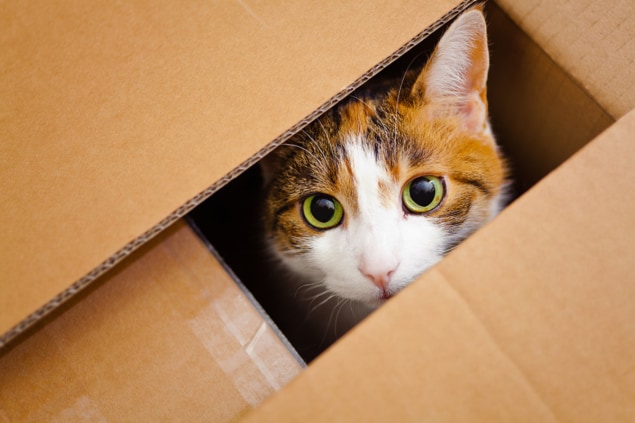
<point x="540" y="117"/>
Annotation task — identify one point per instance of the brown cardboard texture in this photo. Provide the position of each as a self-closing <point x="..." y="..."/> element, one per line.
<point x="166" y="334"/>
<point x="115" y="116"/>
<point x="540" y="115"/>
<point x="592" y="41"/>
<point x="529" y="320"/>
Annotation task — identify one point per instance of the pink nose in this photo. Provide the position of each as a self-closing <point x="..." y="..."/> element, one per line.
<point x="379" y="275"/>
<point x="379" y="269"/>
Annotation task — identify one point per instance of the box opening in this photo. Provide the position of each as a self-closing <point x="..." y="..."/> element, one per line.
<point x="540" y="117"/>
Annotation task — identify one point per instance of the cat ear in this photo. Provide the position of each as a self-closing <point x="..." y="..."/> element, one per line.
<point x="454" y="80"/>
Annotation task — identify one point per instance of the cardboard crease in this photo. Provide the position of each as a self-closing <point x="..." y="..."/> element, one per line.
<point x="528" y="320"/>
<point x="197" y="199"/>
<point x="523" y="373"/>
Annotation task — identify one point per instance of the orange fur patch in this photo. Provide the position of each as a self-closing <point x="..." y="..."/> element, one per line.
<point x="411" y="134"/>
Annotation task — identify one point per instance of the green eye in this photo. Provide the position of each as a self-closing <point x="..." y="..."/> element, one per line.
<point x="423" y="194"/>
<point x="322" y="211"/>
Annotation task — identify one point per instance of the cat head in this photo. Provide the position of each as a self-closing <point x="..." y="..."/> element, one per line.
<point x="377" y="190"/>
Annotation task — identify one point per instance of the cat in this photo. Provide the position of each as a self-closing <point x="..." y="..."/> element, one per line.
<point x="381" y="187"/>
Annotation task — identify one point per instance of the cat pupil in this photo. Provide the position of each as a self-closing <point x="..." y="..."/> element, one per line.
<point x="323" y="208"/>
<point x="393" y="156"/>
<point x="422" y="191"/>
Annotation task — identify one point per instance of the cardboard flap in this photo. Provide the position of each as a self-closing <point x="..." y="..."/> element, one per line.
<point x="167" y="334"/>
<point x="528" y="320"/>
<point x="116" y="115"/>
<point x="593" y="41"/>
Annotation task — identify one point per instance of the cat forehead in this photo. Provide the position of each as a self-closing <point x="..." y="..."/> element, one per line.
<point x="340" y="156"/>
<point x="365" y="183"/>
<point x="389" y="145"/>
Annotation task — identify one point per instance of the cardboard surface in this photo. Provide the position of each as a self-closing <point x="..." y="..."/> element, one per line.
<point x="116" y="115"/>
<point x="538" y="111"/>
<point x="540" y="116"/>
<point x="167" y="334"/>
<point x="531" y="319"/>
<point x="113" y="121"/>
<point x="593" y="41"/>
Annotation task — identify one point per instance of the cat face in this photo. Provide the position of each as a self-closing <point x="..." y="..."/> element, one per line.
<point x="377" y="190"/>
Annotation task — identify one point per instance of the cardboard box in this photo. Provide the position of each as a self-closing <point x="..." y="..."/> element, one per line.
<point x="167" y="333"/>
<point x="121" y="118"/>
<point x="529" y="320"/>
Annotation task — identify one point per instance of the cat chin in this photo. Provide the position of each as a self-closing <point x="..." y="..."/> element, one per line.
<point x="372" y="301"/>
<point x="364" y="292"/>
<point x="375" y="303"/>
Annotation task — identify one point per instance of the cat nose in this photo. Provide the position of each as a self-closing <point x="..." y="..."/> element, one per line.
<point x="379" y="280"/>
<point x="378" y="274"/>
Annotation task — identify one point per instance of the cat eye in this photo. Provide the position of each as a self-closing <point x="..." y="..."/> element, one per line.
<point x="322" y="211"/>
<point x="423" y="194"/>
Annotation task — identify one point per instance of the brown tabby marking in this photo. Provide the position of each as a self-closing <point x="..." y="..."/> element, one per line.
<point x="432" y="123"/>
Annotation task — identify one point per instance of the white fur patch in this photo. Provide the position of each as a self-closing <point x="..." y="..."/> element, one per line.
<point x="380" y="239"/>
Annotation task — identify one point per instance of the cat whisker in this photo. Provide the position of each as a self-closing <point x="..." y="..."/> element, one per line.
<point x="308" y="287"/>
<point x="383" y="125"/>
<point x="290" y="144"/>
<point x="328" y="138"/>
<point x="359" y="309"/>
<point x="324" y="301"/>
<point x="317" y="145"/>
<point x="396" y="111"/>
<point x="364" y="102"/>
<point x="401" y="84"/>
<point x="334" y="312"/>
<point x="325" y="132"/>
<point x="311" y="287"/>
<point x="316" y="160"/>
<point x="320" y="297"/>
<point x="328" y="323"/>
<point x="338" y="309"/>
<point x="360" y="151"/>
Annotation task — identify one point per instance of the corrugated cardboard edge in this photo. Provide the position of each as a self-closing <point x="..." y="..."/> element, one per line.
<point x="202" y="196"/>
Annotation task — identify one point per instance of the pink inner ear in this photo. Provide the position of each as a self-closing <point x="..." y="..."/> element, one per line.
<point x="454" y="81"/>
<point x="474" y="113"/>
